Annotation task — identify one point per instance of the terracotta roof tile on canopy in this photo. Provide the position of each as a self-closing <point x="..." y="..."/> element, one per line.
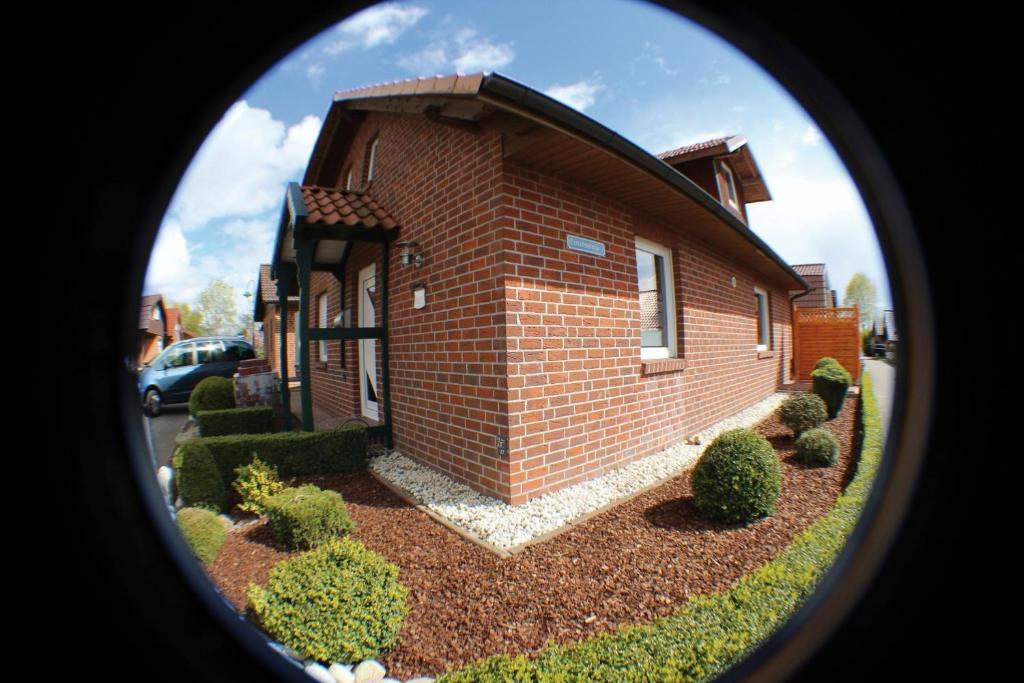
<point x="695" y="147"/>
<point x="331" y="207"/>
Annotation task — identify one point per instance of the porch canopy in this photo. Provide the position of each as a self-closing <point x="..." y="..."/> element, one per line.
<point x="318" y="228"/>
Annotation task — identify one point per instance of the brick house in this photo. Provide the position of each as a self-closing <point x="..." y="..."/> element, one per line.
<point x="153" y="330"/>
<point x="821" y="295"/>
<point x="267" y="311"/>
<point x="513" y="294"/>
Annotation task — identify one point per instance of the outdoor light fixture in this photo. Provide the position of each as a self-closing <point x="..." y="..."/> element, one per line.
<point x="409" y="255"/>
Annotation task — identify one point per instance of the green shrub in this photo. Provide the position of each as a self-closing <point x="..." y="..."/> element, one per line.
<point x="256" y="482"/>
<point x="338" y="603"/>
<point x="801" y="412"/>
<point x="212" y="393"/>
<point x="204" y="532"/>
<point x="293" y="453"/>
<point x="831" y="382"/>
<point x="710" y="633"/>
<point x="827" y="360"/>
<point x="817" y="447"/>
<point x="738" y="478"/>
<point x="256" y="420"/>
<point x="307" y="516"/>
<point x="197" y="477"/>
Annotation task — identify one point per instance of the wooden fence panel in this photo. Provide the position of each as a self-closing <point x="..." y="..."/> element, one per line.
<point x="820" y="332"/>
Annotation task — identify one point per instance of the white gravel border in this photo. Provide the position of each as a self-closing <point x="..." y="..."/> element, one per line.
<point x="507" y="526"/>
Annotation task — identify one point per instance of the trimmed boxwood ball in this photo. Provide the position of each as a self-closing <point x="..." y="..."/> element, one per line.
<point x="817" y="447"/>
<point x="307" y="516"/>
<point x="802" y="412"/>
<point x="197" y="476"/>
<point x="827" y="360"/>
<point x="212" y="393"/>
<point x="831" y="382"/>
<point x="737" y="479"/>
<point x="338" y="603"/>
<point x="203" y="531"/>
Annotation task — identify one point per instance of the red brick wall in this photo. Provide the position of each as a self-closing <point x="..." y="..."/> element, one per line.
<point x="524" y="339"/>
<point x="447" y="375"/>
<point x="270" y="337"/>
<point x="579" y="401"/>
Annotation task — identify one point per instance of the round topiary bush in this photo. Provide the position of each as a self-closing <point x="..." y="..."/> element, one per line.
<point x="337" y="603"/>
<point x="197" y="476"/>
<point x="737" y="479"/>
<point x="827" y="360"/>
<point x="307" y="516"/>
<point x="203" y="531"/>
<point x="817" y="447"/>
<point x="801" y="412"/>
<point x="212" y="393"/>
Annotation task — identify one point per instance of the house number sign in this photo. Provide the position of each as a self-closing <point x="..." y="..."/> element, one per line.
<point x="502" y="443"/>
<point x="583" y="244"/>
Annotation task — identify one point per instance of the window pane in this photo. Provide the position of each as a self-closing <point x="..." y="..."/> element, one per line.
<point x="650" y="272"/>
<point x="180" y="357"/>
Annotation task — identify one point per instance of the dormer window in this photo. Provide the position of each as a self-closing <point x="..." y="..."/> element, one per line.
<point x="372" y="160"/>
<point x="730" y="186"/>
<point x="348" y="179"/>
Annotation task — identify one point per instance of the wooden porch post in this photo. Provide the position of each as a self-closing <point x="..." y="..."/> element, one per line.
<point x="304" y="261"/>
<point x="285" y="276"/>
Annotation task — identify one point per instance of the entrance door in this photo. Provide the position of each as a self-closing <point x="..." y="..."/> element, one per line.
<point x="368" y="347"/>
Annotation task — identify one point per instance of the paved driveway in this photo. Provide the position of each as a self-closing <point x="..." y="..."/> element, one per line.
<point x="883" y="376"/>
<point x="162" y="430"/>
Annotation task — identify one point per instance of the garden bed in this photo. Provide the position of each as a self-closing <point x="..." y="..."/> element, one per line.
<point x="631" y="564"/>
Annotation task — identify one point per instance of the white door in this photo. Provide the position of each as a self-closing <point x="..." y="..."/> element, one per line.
<point x="368" y="347"/>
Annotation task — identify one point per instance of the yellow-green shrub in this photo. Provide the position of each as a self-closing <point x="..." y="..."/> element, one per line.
<point x="203" y="531"/>
<point x="256" y="482"/>
<point x="307" y="516"/>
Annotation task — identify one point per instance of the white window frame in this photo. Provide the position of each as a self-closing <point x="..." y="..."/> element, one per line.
<point x="321" y="303"/>
<point x="731" y="195"/>
<point x="765" y="342"/>
<point x="668" y="351"/>
<point x="348" y="179"/>
<point x="373" y="159"/>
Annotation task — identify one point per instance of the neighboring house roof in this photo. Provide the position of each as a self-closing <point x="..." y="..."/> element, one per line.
<point x="266" y="292"/>
<point x="806" y="269"/>
<point x="737" y="151"/>
<point x="545" y="134"/>
<point x="146" y="322"/>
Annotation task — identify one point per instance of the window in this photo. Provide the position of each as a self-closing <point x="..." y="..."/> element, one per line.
<point x="764" y="334"/>
<point x="209" y="352"/>
<point x="657" y="300"/>
<point x="373" y="160"/>
<point x="730" y="185"/>
<point x="321" y="304"/>
<point x="348" y="179"/>
<point x="181" y="357"/>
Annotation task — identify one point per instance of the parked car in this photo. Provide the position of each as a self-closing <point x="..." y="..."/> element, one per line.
<point x="172" y="375"/>
<point x="878" y="350"/>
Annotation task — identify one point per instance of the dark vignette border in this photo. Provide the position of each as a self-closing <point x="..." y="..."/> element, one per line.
<point x="144" y="92"/>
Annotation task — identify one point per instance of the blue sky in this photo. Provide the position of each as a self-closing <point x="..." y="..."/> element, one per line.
<point x="648" y="74"/>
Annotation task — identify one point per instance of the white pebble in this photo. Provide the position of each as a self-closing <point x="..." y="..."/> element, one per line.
<point x="342" y="673"/>
<point x="319" y="673"/>
<point x="507" y="526"/>
<point x="369" y="671"/>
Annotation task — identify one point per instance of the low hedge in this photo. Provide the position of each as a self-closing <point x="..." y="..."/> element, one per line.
<point x="709" y="633"/>
<point x="307" y="516"/>
<point x="198" y="479"/>
<point x="338" y="603"/>
<point x="292" y="453"/>
<point x="212" y="393"/>
<point x="256" y="420"/>
<point x="204" y="532"/>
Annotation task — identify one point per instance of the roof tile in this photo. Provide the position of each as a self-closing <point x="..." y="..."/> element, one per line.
<point x="331" y="206"/>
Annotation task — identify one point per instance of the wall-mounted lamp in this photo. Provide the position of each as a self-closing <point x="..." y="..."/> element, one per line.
<point x="409" y="254"/>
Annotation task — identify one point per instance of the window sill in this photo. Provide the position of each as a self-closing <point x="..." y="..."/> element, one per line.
<point x="765" y="354"/>
<point x="657" y="366"/>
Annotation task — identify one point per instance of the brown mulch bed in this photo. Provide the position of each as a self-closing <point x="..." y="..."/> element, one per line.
<point x="631" y="564"/>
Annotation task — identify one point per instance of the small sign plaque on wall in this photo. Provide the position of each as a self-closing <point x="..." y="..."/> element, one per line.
<point x="591" y="247"/>
<point x="502" y="444"/>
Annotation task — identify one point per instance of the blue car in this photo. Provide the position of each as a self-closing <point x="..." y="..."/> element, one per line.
<point x="171" y="376"/>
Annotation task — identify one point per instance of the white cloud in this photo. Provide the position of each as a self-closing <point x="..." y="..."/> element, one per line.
<point x="242" y="167"/>
<point x="315" y="73"/>
<point x="812" y="136"/>
<point x="169" y="263"/>
<point x="425" y="62"/>
<point x="652" y="53"/>
<point x="484" y="56"/>
<point x="380" y="24"/>
<point x="579" y="95"/>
